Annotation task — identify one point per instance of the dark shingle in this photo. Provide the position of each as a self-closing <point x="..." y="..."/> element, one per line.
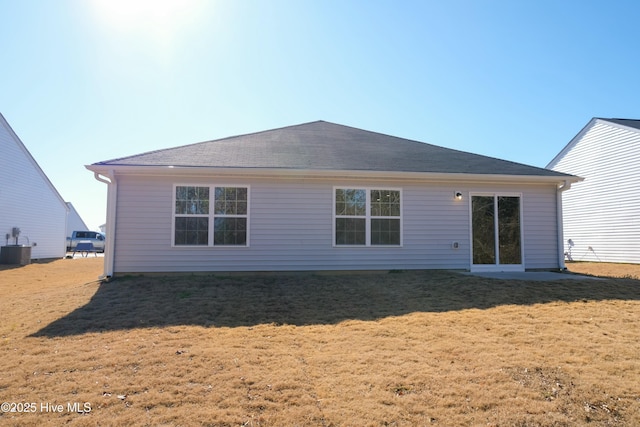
<point x="327" y="146"/>
<point x="625" y="122"/>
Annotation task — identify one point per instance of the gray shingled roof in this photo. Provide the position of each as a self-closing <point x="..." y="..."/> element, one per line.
<point x="626" y="122"/>
<point x="327" y="146"/>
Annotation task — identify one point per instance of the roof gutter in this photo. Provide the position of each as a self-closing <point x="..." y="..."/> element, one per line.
<point x="284" y="173"/>
<point x="112" y="196"/>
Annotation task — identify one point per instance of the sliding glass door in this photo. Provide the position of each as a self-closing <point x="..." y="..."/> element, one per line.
<point x="496" y="232"/>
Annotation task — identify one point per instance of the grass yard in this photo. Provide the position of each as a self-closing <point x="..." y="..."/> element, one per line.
<point x="383" y="349"/>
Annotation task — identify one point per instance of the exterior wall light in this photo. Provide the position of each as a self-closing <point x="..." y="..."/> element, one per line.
<point x="457" y="195"/>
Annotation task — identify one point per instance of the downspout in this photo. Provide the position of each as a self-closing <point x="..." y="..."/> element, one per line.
<point x="109" y="248"/>
<point x="561" y="189"/>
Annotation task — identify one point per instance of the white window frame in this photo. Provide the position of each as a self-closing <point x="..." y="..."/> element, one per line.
<point x="367" y="217"/>
<point x="211" y="215"/>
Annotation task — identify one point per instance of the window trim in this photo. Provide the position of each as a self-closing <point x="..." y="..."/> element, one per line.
<point x="211" y="215"/>
<point x="367" y="217"/>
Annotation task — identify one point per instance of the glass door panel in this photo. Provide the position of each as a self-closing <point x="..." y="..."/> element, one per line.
<point x="483" y="225"/>
<point x="509" y="230"/>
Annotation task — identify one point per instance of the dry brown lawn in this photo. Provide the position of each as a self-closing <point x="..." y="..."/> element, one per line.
<point x="384" y="349"/>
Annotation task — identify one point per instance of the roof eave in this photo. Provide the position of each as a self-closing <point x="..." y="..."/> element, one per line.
<point x="317" y="173"/>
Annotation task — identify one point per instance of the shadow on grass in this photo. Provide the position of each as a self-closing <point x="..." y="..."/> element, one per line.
<point x="306" y="299"/>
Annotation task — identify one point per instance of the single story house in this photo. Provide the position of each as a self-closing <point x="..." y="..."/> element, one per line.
<point x="323" y="196"/>
<point x="32" y="212"/>
<point x="602" y="214"/>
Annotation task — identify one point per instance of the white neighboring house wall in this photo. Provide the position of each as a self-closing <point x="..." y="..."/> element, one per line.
<point x="28" y="200"/>
<point x="602" y="213"/>
<point x="74" y="221"/>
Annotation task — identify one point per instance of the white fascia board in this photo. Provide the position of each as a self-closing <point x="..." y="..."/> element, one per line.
<point x="323" y="174"/>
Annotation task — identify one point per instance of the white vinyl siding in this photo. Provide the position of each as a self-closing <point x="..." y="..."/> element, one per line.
<point x="540" y="227"/>
<point x="292" y="228"/>
<point x="74" y="222"/>
<point x="29" y="201"/>
<point x="601" y="214"/>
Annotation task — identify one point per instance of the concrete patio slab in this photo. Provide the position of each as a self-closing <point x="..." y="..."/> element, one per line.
<point x="539" y="276"/>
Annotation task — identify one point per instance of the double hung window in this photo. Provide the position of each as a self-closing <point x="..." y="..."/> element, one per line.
<point x="367" y="217"/>
<point x="210" y="216"/>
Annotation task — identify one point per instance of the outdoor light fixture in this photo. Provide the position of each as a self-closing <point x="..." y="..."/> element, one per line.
<point x="457" y="195"/>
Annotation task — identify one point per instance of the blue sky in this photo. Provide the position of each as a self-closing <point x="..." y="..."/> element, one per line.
<point x="83" y="81"/>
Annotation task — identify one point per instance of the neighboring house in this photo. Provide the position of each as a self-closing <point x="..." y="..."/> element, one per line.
<point x="321" y="196"/>
<point x="602" y="214"/>
<point x="28" y="200"/>
<point x="74" y="221"/>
